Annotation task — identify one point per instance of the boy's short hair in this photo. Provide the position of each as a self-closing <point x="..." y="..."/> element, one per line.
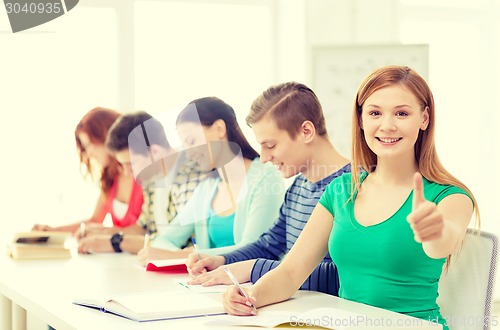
<point x="289" y="104"/>
<point x="140" y="127"/>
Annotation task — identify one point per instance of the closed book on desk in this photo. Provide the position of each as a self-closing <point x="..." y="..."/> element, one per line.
<point x="158" y="306"/>
<point x="40" y="245"/>
<point x="176" y="266"/>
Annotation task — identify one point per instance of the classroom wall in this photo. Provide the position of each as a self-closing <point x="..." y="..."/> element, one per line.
<point x="464" y="42"/>
<point x="464" y="45"/>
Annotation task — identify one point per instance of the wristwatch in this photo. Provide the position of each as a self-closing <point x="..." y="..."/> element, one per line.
<point x="116" y="239"/>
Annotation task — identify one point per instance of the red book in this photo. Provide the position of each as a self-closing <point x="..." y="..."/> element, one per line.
<point x="177" y="266"/>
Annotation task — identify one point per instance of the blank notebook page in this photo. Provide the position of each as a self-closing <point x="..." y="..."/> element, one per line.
<point x="169" y="301"/>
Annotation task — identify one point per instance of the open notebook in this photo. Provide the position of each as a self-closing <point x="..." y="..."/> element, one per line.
<point x="158" y="306"/>
<point x="327" y="318"/>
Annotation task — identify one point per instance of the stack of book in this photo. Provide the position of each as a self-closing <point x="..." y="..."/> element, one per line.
<point x="40" y="245"/>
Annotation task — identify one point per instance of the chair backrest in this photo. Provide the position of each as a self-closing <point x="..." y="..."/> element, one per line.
<point x="466" y="289"/>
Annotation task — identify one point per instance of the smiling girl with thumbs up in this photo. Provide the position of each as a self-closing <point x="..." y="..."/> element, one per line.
<point x="391" y="227"/>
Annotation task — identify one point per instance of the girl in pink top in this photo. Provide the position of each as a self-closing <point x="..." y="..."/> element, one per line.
<point x="120" y="195"/>
<point x="122" y="214"/>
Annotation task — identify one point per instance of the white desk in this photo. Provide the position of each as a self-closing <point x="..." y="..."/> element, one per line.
<point x="47" y="287"/>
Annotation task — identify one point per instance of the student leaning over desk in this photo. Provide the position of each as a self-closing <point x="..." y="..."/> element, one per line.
<point x="139" y="143"/>
<point x="121" y="196"/>
<point x="389" y="231"/>
<point x="284" y="117"/>
<point x="238" y="200"/>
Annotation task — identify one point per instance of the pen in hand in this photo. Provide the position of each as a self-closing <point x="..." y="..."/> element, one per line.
<point x="146" y="239"/>
<point x="82" y="229"/>
<point x="238" y="286"/>
<point x="196" y="249"/>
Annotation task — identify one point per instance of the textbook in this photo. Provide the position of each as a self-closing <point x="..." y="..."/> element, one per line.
<point x="40" y="245"/>
<point x="158" y="306"/>
<point x="327" y="318"/>
<point x="177" y="266"/>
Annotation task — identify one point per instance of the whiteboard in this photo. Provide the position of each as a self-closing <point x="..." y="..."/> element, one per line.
<point x="337" y="72"/>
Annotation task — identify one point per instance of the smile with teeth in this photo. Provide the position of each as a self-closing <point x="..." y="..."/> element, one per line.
<point x="388" y="140"/>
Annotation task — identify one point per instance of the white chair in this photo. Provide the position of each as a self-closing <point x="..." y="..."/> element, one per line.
<point x="466" y="290"/>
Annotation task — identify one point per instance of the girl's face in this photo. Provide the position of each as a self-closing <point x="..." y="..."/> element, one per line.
<point x="94" y="151"/>
<point x="202" y="143"/>
<point x="391" y="119"/>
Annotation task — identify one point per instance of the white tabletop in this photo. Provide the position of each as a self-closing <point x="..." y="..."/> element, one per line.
<point x="46" y="288"/>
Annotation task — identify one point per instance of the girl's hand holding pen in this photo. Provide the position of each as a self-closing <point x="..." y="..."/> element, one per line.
<point x="236" y="304"/>
<point x="241" y="271"/>
<point x="80" y="233"/>
<point x="95" y="244"/>
<point x="89" y="229"/>
<point x="197" y="266"/>
<point x="82" y="229"/>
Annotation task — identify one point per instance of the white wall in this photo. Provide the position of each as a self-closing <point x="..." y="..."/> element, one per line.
<point x="464" y="66"/>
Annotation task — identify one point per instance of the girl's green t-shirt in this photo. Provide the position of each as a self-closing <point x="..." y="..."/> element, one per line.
<point x="382" y="265"/>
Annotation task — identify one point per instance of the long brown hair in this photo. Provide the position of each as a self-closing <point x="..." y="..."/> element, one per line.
<point x="96" y="124"/>
<point x="426" y="156"/>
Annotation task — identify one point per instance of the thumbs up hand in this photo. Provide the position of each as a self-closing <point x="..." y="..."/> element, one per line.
<point x="425" y="219"/>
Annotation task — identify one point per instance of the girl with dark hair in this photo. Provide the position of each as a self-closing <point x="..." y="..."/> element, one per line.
<point x="120" y="196"/>
<point x="236" y="203"/>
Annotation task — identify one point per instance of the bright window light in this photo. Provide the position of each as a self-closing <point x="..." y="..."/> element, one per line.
<point x="189" y="50"/>
<point x="51" y="76"/>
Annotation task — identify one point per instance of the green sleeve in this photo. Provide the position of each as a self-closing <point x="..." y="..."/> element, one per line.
<point x="450" y="190"/>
